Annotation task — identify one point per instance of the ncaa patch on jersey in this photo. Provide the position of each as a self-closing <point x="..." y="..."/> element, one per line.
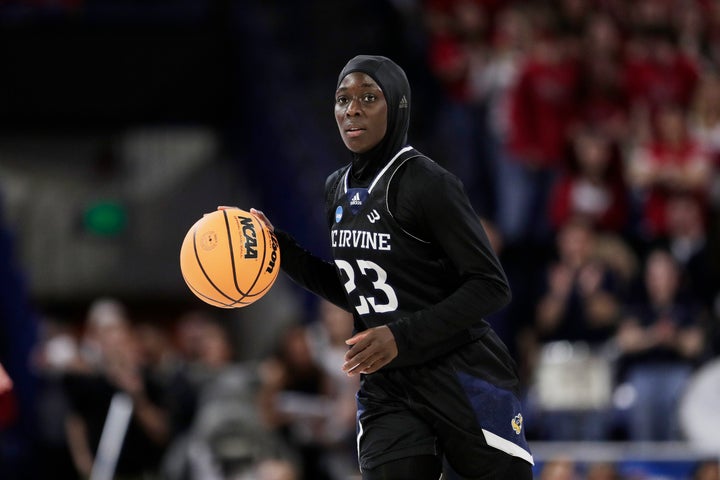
<point x="338" y="214"/>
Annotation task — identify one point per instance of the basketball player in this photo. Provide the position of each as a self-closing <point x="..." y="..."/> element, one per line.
<point x="415" y="267"/>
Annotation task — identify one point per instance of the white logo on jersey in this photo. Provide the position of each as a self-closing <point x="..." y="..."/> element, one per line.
<point x="373" y="216"/>
<point x="356" y="199"/>
<point x="342" y="238"/>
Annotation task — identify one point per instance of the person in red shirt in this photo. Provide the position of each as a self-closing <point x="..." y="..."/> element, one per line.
<point x="592" y="188"/>
<point x="542" y="109"/>
<point x="657" y="73"/>
<point x="544" y="104"/>
<point x="604" y="101"/>
<point x="671" y="162"/>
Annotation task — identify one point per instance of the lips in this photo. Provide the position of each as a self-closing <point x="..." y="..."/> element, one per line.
<point x="354" y="131"/>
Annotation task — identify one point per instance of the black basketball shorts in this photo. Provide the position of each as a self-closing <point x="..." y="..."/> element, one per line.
<point x="458" y="406"/>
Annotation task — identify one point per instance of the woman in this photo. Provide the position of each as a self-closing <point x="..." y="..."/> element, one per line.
<point x="414" y="266"/>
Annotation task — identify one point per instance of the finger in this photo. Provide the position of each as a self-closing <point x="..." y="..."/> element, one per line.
<point x="352" y="362"/>
<point x="378" y="362"/>
<point x="356" y="349"/>
<point x="355" y="368"/>
<point x="225" y="207"/>
<point x="356" y="338"/>
<point x="261" y="216"/>
<point x="364" y="360"/>
<point x="370" y="364"/>
<point x="371" y="367"/>
<point x="355" y="358"/>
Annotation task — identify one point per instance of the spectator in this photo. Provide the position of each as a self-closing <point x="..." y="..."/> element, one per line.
<point x="704" y="126"/>
<point x="295" y="397"/>
<point x="543" y="107"/>
<point x="56" y="354"/>
<point x="559" y="468"/>
<point x="704" y="116"/>
<point x="711" y="47"/>
<point x="5" y="381"/>
<point x="656" y="72"/>
<point x="687" y="240"/>
<point x="605" y="105"/>
<point x="457" y="53"/>
<point x="580" y="306"/>
<point x="170" y="372"/>
<point x="707" y="470"/>
<point x="114" y="365"/>
<point x="273" y="470"/>
<point x="510" y="40"/>
<point x="18" y="331"/>
<point x="602" y="471"/>
<point x="491" y="85"/>
<point x="672" y="162"/>
<point x="226" y="438"/>
<point x="593" y="187"/>
<point x="691" y="29"/>
<point x="326" y="337"/>
<point x="579" y="302"/>
<point x="660" y="339"/>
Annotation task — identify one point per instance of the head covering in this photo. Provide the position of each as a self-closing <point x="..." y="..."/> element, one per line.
<point x="396" y="89"/>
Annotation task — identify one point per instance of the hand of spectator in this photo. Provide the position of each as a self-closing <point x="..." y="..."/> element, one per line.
<point x="561" y="280"/>
<point x="370" y="350"/>
<point x="665" y="332"/>
<point x="631" y="337"/>
<point x="590" y="279"/>
<point x="6" y="383"/>
<point x="691" y="342"/>
<point x="126" y="377"/>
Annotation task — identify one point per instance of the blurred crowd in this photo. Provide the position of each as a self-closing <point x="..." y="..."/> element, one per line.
<point x="587" y="133"/>
<point x="198" y="411"/>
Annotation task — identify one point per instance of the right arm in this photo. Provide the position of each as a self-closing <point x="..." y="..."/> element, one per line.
<point x="307" y="270"/>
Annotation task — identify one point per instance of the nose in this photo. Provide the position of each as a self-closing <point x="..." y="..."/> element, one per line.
<point x="353" y="108"/>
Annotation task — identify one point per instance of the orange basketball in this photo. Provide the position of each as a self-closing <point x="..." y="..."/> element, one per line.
<point x="229" y="259"/>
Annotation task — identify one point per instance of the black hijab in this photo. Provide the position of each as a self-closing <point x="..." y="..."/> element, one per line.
<point x="396" y="88"/>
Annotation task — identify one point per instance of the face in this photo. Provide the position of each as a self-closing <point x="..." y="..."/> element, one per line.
<point x="661" y="276"/>
<point x="360" y="112"/>
<point x="592" y="153"/>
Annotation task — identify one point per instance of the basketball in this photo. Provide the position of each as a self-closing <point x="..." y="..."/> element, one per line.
<point x="229" y="259"/>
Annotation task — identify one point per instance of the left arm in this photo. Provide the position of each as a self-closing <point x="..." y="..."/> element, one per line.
<point x="441" y="208"/>
<point x="454" y="225"/>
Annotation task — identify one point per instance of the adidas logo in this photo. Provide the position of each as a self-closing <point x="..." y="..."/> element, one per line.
<point x="355" y="200"/>
<point x="403" y="102"/>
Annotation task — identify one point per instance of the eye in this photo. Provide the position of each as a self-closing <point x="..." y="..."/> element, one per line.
<point x="369" y="98"/>
<point x="341" y="100"/>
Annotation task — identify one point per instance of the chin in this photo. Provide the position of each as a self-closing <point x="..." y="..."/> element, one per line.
<point x="355" y="148"/>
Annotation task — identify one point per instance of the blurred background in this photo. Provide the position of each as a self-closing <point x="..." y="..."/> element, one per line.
<point x="586" y="133"/>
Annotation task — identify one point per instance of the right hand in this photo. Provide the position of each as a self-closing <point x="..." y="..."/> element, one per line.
<point x="258" y="214"/>
<point x="261" y="216"/>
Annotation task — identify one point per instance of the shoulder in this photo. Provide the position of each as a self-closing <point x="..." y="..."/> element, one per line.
<point x="418" y="167"/>
<point x="332" y="180"/>
<point x="421" y="166"/>
<point x="421" y="180"/>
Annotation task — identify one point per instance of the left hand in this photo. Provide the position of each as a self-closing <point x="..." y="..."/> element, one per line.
<point x="370" y="350"/>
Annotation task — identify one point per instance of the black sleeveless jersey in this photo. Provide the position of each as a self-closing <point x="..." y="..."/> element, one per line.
<point x="389" y="273"/>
